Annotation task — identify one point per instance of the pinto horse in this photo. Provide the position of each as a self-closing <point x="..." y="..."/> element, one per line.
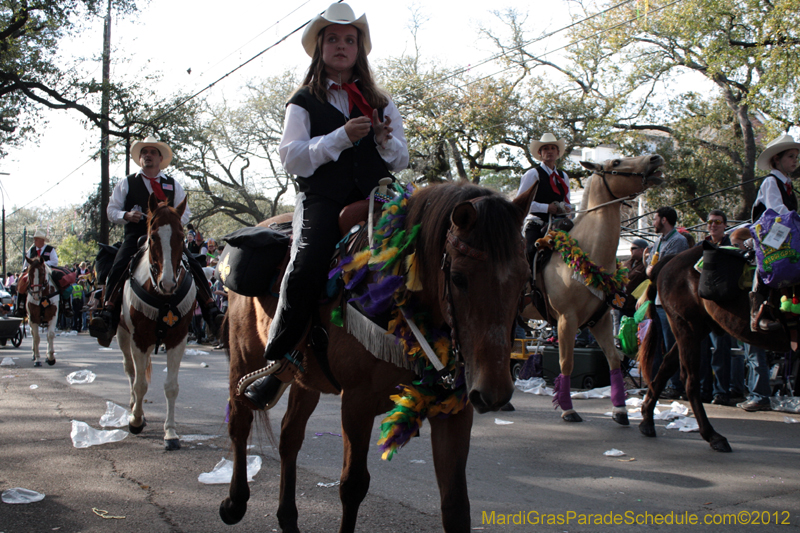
<point x="42" y="306"/>
<point x="569" y="301"/>
<point x="157" y="306"/>
<point x="469" y="247"/>
<point x="691" y="319"/>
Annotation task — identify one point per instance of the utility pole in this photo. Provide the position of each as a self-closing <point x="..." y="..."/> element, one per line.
<point x="4" y="229"/>
<point x="105" y="173"/>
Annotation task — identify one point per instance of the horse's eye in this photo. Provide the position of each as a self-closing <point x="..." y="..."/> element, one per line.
<point x="459" y="280"/>
<point x="617" y="162"/>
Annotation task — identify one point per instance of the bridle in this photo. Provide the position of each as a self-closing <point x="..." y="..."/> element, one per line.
<point x="155" y="268"/>
<point x="617" y="199"/>
<point x="41" y="290"/>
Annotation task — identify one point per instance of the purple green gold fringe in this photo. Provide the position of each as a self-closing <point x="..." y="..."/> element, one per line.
<point x="395" y="277"/>
<point x="593" y="275"/>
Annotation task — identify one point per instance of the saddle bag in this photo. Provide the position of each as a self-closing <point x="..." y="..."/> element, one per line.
<point x="63" y="277"/>
<point x="251" y="259"/>
<point x="777" y="246"/>
<point x="722" y="269"/>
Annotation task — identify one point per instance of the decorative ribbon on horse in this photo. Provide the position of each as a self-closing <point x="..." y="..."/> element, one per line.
<point x="155" y="183"/>
<point x="356" y="98"/>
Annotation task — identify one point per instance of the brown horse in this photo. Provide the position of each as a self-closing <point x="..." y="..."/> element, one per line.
<point x="691" y="319"/>
<point x="469" y="246"/>
<point x="42" y="306"/>
<point x="157" y="308"/>
<point x="569" y="300"/>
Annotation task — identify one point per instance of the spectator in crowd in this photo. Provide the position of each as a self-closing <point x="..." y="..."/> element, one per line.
<point x="757" y="382"/>
<point x="212" y="254"/>
<point x="77" y="300"/>
<point x="669" y="242"/>
<point x="198" y="245"/>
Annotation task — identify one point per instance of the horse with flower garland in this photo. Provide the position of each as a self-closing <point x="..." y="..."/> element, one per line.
<point x="583" y="278"/>
<point x="447" y="266"/>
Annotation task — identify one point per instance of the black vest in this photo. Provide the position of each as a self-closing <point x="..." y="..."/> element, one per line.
<point x="545" y="193"/>
<point x="138" y="195"/>
<point x="45" y="252"/>
<point x="789" y="200"/>
<point x="358" y="168"/>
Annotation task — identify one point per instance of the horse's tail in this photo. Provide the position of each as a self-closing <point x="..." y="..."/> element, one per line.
<point x="652" y="336"/>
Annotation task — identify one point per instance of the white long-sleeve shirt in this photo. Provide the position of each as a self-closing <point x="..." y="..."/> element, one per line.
<point x="529" y="179"/>
<point x="36" y="252"/>
<point x="302" y="155"/>
<point x="770" y="195"/>
<point x="116" y="204"/>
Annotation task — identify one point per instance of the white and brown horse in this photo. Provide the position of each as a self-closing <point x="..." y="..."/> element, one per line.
<point x="157" y="307"/>
<point x="42" y="306"/>
<point x="569" y="300"/>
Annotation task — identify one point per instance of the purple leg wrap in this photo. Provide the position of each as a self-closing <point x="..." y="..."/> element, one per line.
<point x="561" y="396"/>
<point x="617" y="388"/>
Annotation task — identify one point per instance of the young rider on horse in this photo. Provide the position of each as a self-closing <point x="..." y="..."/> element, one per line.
<point x="342" y="134"/>
<point x="128" y="206"/>
<point x="779" y="158"/>
<point x="552" y="196"/>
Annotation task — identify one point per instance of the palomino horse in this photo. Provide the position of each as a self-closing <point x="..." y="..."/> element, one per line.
<point x="42" y="306"/>
<point x="691" y="319"/>
<point x="569" y="300"/>
<point x="157" y="308"/>
<point x="472" y="272"/>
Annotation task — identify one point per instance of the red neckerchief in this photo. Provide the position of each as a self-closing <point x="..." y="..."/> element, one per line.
<point x="356" y="98"/>
<point x="155" y="183"/>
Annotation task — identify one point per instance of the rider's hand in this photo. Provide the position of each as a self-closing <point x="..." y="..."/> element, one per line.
<point x="383" y="130"/>
<point x="357" y="128"/>
<point x="552" y="208"/>
<point x="133" y="216"/>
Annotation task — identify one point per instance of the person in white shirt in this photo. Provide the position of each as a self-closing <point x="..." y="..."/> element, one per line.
<point x="552" y="196"/>
<point x="128" y="207"/>
<point x="779" y="158"/>
<point x="342" y="134"/>
<point x="43" y="250"/>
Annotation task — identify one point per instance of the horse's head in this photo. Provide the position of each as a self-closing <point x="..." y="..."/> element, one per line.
<point x="38" y="278"/>
<point x="165" y="244"/>
<point x="481" y="271"/>
<point x="628" y="176"/>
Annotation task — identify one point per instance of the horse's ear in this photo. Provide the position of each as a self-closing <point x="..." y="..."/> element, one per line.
<point x="464" y="216"/>
<point x="588" y="165"/>
<point x="152" y="203"/>
<point x="181" y="207"/>
<point x="28" y="260"/>
<point x="523" y="201"/>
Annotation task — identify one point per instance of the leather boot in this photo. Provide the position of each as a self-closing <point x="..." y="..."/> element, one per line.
<point x="265" y="392"/>
<point x="758" y="322"/>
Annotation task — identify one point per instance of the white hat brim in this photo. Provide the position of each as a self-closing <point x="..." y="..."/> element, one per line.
<point x="163" y="148"/>
<point x="535" y="146"/>
<point x="763" y="161"/>
<point x="319" y="23"/>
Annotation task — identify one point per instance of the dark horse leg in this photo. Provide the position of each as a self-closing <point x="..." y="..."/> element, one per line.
<point x="450" y="443"/>
<point x="669" y="365"/>
<point x="233" y="508"/>
<point x="302" y="403"/>
<point x="358" y="415"/>
<point x="690" y="358"/>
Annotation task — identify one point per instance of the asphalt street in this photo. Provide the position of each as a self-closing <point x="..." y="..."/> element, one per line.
<point x="525" y="466"/>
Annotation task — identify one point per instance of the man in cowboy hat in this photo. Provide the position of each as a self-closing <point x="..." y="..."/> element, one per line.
<point x="128" y="206"/>
<point x="552" y="196"/>
<point x="48" y="255"/>
<point x="779" y="158"/>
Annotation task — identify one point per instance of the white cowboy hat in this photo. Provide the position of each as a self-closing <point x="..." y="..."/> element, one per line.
<point x="547" y="138"/>
<point x="776" y="146"/>
<point x="166" y="151"/>
<point x="335" y="14"/>
<point x="40" y="235"/>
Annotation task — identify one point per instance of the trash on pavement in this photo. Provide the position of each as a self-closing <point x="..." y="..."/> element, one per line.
<point x="327" y="485"/>
<point x="81" y="377"/>
<point x="501" y="422"/>
<point x="613" y="452"/>
<point x="84" y="436"/>
<point x="223" y="471"/>
<point x="8" y="361"/>
<point x="115" y="416"/>
<point x="20" y="495"/>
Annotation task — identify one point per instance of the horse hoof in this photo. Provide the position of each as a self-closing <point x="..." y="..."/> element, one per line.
<point x="171" y="444"/>
<point x="231" y="513"/>
<point x="37" y="363"/>
<point x="51" y="362"/>
<point x="572" y="417"/>
<point x="721" y="445"/>
<point x="135" y="430"/>
<point x="621" y="419"/>
<point x="648" y="429"/>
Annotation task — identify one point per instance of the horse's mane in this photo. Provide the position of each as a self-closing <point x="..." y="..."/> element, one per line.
<point x="497" y="230"/>
<point x="585" y="198"/>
